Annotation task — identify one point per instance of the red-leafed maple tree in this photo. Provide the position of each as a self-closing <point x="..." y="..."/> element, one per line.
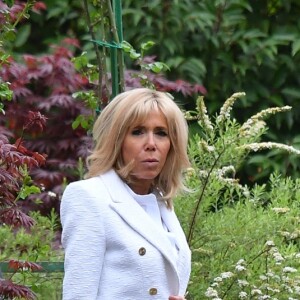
<point x="16" y="160"/>
<point x="45" y="85"/>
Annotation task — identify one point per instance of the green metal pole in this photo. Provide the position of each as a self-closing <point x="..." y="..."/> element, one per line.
<point x="117" y="6"/>
<point x="117" y="59"/>
<point x="114" y="72"/>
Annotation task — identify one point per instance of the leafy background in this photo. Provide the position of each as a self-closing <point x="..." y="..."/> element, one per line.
<point x="214" y="47"/>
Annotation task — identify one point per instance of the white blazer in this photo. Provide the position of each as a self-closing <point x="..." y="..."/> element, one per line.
<point x="114" y="250"/>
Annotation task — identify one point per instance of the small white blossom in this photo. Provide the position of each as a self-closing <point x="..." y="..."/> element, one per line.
<point x="210" y="292"/>
<point x="51" y="194"/>
<point x="240" y="268"/>
<point x="226" y="275"/>
<point x="203" y="145"/>
<point x="218" y="279"/>
<point x="270" y="244"/>
<point x="277" y="256"/>
<point x="264" y="297"/>
<point x="203" y="174"/>
<point x="263" y="277"/>
<point x="289" y="270"/>
<point x="256" y="292"/>
<point x="243" y="295"/>
<point x="261" y="115"/>
<point x="241" y="261"/>
<point x="242" y="283"/>
<point x="269" y="145"/>
<point x="297" y="255"/>
<point x="203" y="117"/>
<point x="227" y="107"/>
<point x="281" y="210"/>
<point x="297" y="290"/>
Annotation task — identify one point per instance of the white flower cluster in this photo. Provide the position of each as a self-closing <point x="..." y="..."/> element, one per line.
<point x="270" y="244"/>
<point x="227" y="107"/>
<point x="269" y="145"/>
<point x="205" y="147"/>
<point x="257" y="118"/>
<point x="211" y="293"/>
<point x="226" y="170"/>
<point x="289" y="270"/>
<point x="281" y="210"/>
<point x="203" y="117"/>
<point x="51" y="194"/>
<point x="240" y="266"/>
<point x="243" y="295"/>
<point x="277" y="256"/>
<point x="253" y="128"/>
<point x="266" y="290"/>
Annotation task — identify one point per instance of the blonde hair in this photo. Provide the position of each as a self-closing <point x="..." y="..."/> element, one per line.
<point x="132" y="107"/>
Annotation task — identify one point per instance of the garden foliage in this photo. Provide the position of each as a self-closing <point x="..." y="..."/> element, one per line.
<point x="244" y="240"/>
<point x="230" y="46"/>
<point x="225" y="46"/>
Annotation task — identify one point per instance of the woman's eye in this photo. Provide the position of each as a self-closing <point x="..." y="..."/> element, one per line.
<point x="136" y="132"/>
<point x="162" y="133"/>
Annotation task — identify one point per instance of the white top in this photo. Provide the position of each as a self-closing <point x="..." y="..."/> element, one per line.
<point x="149" y="203"/>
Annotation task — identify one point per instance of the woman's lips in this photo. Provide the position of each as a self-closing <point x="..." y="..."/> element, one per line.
<point x="150" y="162"/>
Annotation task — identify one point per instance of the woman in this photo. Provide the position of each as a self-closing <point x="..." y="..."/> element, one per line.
<point x="121" y="236"/>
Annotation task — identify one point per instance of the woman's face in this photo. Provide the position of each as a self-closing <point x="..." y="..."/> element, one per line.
<point x="147" y="144"/>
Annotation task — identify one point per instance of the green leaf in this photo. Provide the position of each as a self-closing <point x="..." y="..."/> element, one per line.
<point x="134" y="54"/>
<point x="77" y="122"/>
<point x="5" y="92"/>
<point x="2" y="111"/>
<point x="80" y="61"/>
<point x="295" y="46"/>
<point x="148" y="45"/>
<point x="29" y="190"/>
<point x="126" y="47"/>
<point x="9" y="35"/>
<point x="157" y="67"/>
<point x="284" y="37"/>
<point x="22" y="35"/>
<point x="255" y="33"/>
<point x="9" y="3"/>
<point x="4" y="57"/>
<point x="291" y="92"/>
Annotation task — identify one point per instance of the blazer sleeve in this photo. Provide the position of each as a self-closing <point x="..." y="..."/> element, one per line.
<point x="83" y="238"/>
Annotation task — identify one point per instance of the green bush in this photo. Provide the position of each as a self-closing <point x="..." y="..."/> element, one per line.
<point x="227" y="46"/>
<point x="244" y="240"/>
<point x="34" y="245"/>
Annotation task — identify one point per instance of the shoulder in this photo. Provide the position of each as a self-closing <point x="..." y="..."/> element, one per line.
<point x="98" y="187"/>
<point x="87" y="191"/>
<point x="89" y="187"/>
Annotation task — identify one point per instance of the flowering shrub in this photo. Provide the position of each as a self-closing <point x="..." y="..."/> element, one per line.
<point x="244" y="240"/>
<point x="278" y="279"/>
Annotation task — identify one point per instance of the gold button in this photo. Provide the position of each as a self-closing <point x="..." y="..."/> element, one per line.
<point x="153" y="291"/>
<point x="142" y="251"/>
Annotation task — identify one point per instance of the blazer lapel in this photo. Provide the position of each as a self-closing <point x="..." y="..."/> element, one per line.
<point x="184" y="253"/>
<point x="135" y="216"/>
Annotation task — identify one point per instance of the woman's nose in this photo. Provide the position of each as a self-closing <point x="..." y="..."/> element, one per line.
<point x="150" y="142"/>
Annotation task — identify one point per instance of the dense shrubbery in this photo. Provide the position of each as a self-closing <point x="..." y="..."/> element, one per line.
<point x="230" y="46"/>
<point x="223" y="45"/>
<point x="245" y="239"/>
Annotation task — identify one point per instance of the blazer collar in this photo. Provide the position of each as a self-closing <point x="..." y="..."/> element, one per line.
<point x="135" y="216"/>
